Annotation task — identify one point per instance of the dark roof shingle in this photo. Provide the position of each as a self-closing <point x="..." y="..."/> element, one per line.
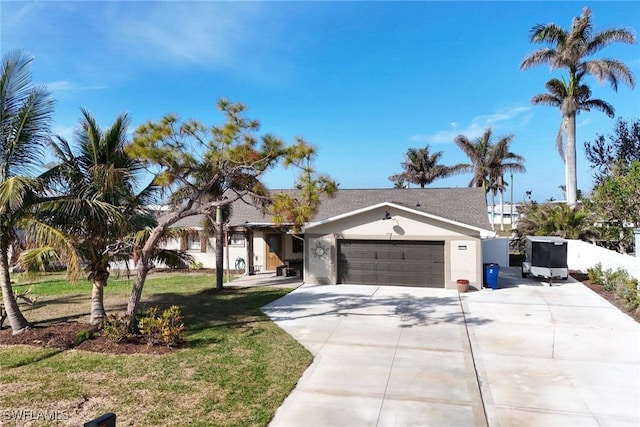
<point x="464" y="205"/>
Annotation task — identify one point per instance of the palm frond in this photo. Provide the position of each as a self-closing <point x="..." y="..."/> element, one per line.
<point x="41" y="234"/>
<point x="549" y="33"/>
<point x="539" y="57"/>
<point x="608" y="36"/>
<point x="26" y="113"/>
<point x="14" y="191"/>
<point x="599" y="104"/>
<point x="172" y="258"/>
<point x="38" y="259"/>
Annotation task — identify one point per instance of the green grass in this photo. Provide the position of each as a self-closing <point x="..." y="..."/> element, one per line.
<point x="119" y="284"/>
<point x="236" y="371"/>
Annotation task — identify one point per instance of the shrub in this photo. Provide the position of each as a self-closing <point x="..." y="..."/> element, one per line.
<point x="596" y="275"/>
<point x="628" y="292"/>
<point x="195" y="265"/>
<point x="166" y="328"/>
<point x="616" y="279"/>
<point x="82" y="336"/>
<point x="150" y="326"/>
<point x="117" y="328"/>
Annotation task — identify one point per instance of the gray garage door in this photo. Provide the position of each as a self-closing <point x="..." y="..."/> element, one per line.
<point x="400" y="263"/>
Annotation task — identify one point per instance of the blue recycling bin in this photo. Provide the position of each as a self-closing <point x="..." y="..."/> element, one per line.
<point x="491" y="274"/>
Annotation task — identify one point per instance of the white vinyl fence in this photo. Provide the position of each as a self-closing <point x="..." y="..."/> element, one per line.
<point x="496" y="251"/>
<point x="582" y="256"/>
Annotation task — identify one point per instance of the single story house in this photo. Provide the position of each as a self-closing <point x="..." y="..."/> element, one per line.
<point x="412" y="237"/>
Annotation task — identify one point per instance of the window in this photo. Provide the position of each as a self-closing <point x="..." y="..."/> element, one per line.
<point x="298" y="244"/>
<point x="193" y="242"/>
<point x="236" y="239"/>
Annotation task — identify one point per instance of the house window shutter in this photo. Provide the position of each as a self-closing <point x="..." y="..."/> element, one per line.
<point x="203" y="244"/>
<point x="183" y="242"/>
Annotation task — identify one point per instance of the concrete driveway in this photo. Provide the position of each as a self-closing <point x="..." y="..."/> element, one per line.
<point x="525" y="354"/>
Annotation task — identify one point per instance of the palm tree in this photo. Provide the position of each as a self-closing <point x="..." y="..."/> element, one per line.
<point x="25" y="117"/>
<point x="98" y="204"/>
<point x="489" y="162"/>
<point x="557" y="220"/>
<point x="502" y="161"/>
<point x="569" y="50"/>
<point x="421" y="168"/>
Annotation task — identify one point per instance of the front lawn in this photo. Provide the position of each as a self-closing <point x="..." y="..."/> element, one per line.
<point x="237" y="367"/>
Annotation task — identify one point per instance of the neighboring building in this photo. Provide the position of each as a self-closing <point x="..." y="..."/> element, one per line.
<point x="510" y="215"/>
<point x="414" y="237"/>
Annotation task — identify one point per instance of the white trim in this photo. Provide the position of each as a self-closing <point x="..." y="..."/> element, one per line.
<point x="483" y="232"/>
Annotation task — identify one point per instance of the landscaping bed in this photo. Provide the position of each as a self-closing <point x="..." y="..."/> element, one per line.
<point x="235" y="366"/>
<point x="610" y="296"/>
<point x="63" y="336"/>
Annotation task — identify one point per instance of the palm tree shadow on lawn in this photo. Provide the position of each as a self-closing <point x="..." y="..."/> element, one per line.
<point x="209" y="314"/>
<point x="204" y="313"/>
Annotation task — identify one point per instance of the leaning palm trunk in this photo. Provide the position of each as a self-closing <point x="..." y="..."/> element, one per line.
<point x="570" y="160"/>
<point x="99" y="281"/>
<point x="16" y="320"/>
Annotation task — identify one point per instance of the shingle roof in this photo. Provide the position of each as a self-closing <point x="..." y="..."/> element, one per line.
<point x="464" y="205"/>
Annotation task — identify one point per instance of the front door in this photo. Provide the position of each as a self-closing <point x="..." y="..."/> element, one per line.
<point x="274" y="251"/>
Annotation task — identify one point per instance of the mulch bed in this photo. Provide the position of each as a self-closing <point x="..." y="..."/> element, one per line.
<point x="63" y="336"/>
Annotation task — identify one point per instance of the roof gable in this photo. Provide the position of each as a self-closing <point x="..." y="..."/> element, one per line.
<point x="464" y="206"/>
<point x="398" y="207"/>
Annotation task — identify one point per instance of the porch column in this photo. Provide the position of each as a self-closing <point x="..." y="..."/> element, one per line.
<point x="249" y="264"/>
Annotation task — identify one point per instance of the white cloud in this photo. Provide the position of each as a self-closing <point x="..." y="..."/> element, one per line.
<point x="212" y="34"/>
<point x="513" y="117"/>
<point x="65" y="85"/>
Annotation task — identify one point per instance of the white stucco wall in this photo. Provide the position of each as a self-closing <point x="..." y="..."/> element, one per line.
<point x="464" y="260"/>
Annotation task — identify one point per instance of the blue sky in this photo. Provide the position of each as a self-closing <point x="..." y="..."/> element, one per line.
<point x="363" y="81"/>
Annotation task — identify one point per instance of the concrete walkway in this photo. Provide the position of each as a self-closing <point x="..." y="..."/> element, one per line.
<point x="523" y="355"/>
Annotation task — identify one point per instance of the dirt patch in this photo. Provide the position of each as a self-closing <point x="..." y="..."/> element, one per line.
<point x="64" y="336"/>
<point x="608" y="295"/>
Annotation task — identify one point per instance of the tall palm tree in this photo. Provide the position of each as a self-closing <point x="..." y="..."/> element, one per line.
<point x="98" y="203"/>
<point x="569" y="50"/>
<point x="420" y="167"/>
<point x="501" y="161"/>
<point x="489" y="162"/>
<point x="25" y="116"/>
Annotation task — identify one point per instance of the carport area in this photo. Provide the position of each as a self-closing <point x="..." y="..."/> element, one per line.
<point x="524" y="354"/>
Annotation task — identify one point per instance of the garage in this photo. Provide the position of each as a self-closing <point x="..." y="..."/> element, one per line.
<point x="391" y="262"/>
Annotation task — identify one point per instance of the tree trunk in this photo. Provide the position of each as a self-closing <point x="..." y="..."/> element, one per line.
<point x="142" y="269"/>
<point x="16" y="320"/>
<point x="502" y="210"/>
<point x="219" y="249"/>
<point x="493" y="210"/>
<point x="570" y="161"/>
<point x="99" y="281"/>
